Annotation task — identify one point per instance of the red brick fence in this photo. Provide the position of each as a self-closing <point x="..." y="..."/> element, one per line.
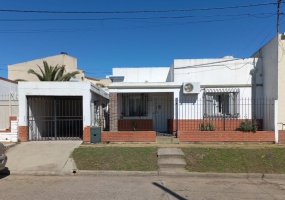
<point x="226" y="136"/>
<point x="128" y="136"/>
<point x="195" y="136"/>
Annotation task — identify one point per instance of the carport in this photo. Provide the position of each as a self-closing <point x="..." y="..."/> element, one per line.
<point x="57" y="110"/>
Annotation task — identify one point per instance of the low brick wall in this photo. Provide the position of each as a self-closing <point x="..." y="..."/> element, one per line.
<point x="137" y="124"/>
<point x="194" y="124"/>
<point x="128" y="136"/>
<point x="281" y="137"/>
<point x="225" y="136"/>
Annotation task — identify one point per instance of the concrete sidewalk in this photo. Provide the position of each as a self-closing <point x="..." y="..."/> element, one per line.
<point x="52" y="158"/>
<point x="41" y="157"/>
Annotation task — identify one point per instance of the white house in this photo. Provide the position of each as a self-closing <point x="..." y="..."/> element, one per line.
<point x="59" y="110"/>
<point x="184" y="95"/>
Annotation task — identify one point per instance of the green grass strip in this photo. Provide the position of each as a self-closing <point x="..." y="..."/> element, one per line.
<point x="116" y="158"/>
<point x="231" y="160"/>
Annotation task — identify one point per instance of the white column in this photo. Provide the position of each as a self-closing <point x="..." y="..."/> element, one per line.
<point x="276" y="121"/>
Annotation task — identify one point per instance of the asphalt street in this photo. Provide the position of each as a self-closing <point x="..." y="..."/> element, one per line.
<point x="139" y="187"/>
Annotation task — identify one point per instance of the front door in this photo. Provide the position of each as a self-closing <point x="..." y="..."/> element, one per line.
<point x="161" y="113"/>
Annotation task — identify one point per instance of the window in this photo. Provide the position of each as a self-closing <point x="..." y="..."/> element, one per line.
<point x="134" y="105"/>
<point x="221" y="103"/>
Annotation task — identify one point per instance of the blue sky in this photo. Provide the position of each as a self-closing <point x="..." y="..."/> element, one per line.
<point x="102" y="41"/>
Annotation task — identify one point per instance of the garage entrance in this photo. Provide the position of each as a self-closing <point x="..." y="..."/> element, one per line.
<point x="55" y="117"/>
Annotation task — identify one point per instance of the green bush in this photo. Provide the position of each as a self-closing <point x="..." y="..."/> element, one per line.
<point x="248" y="126"/>
<point x="207" y="126"/>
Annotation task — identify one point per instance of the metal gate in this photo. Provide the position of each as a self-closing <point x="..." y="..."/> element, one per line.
<point x="55" y="118"/>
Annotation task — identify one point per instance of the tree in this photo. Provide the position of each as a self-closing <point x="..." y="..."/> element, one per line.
<point x="51" y="73"/>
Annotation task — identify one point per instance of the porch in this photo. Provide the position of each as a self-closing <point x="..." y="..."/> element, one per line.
<point x="190" y="118"/>
<point x="165" y="115"/>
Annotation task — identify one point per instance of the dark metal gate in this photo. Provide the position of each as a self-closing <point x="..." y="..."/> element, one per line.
<point x="55" y="118"/>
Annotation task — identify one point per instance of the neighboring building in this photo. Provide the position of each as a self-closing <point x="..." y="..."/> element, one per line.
<point x="8" y="86"/>
<point x="269" y="75"/>
<point x="8" y="102"/>
<point x="97" y="81"/>
<point x="185" y="95"/>
<point x="19" y="71"/>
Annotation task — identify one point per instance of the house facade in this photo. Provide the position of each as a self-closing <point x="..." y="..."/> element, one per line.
<point x="190" y="95"/>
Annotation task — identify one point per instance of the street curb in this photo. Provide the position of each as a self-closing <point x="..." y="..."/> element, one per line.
<point x="116" y="173"/>
<point x="9" y="146"/>
<point x="146" y="173"/>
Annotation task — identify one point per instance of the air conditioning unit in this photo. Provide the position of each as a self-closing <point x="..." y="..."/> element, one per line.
<point x="191" y="88"/>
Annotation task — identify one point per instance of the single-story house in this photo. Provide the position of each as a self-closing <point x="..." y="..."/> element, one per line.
<point x="186" y="95"/>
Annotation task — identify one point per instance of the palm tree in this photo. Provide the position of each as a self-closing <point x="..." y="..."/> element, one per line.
<point x="51" y="73"/>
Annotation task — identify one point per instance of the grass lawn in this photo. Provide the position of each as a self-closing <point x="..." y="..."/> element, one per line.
<point x="116" y="158"/>
<point x="235" y="160"/>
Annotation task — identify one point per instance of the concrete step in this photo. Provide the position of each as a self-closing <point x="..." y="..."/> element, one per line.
<point x="170" y="152"/>
<point x="171" y="163"/>
<point x="170" y="156"/>
<point x="171" y="160"/>
<point x="167" y="140"/>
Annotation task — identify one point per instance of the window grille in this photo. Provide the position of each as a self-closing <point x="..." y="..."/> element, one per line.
<point x="221" y="103"/>
<point x="135" y="105"/>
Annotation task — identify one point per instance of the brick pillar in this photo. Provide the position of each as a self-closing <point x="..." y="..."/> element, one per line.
<point x="281" y="139"/>
<point x="86" y="134"/>
<point x="23" y="133"/>
<point x="113" y="111"/>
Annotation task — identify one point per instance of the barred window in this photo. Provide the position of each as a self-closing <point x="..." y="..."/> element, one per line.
<point x="221" y="103"/>
<point x="135" y="104"/>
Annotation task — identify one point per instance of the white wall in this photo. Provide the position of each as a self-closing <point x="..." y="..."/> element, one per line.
<point x="271" y="71"/>
<point x="219" y="71"/>
<point x="8" y="102"/>
<point x="268" y="67"/>
<point x="7" y="87"/>
<point x="281" y="81"/>
<point x="54" y="89"/>
<point x="141" y="75"/>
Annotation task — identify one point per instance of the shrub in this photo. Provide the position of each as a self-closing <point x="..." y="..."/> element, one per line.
<point x="207" y="126"/>
<point x="247" y="126"/>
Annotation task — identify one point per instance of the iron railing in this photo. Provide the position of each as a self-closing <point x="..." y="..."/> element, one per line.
<point x="220" y="113"/>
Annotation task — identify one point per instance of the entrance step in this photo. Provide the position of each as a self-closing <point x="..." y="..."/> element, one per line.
<point x="171" y="160"/>
<point x="167" y="140"/>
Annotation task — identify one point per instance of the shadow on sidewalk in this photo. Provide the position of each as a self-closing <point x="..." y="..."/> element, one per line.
<point x="169" y="191"/>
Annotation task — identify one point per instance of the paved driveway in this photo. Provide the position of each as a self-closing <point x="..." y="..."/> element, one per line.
<point x="50" y="157"/>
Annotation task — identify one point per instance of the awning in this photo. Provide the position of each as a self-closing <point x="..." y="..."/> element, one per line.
<point x="222" y="90"/>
